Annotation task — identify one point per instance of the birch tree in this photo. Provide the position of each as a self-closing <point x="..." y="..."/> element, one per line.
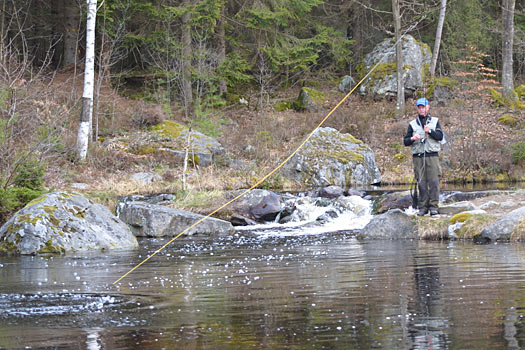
<point x="399" y="58"/>
<point x="89" y="77"/>
<point x="437" y="42"/>
<point x="508" y="41"/>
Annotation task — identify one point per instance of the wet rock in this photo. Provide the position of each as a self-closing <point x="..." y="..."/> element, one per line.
<point x="352" y="192"/>
<point x="331" y="192"/>
<point x="153" y="220"/>
<point x="502" y="229"/>
<point x="62" y="222"/>
<point x="257" y="205"/>
<point x="468" y="196"/>
<point x="394" y="224"/>
<point x="160" y="199"/>
<point x="397" y="200"/>
<point x="455" y="208"/>
<point x="355" y="204"/>
<point x="328" y="216"/>
<point x="332" y="158"/>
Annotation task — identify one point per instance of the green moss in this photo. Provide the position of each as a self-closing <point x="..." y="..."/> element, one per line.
<point x="509" y="120"/>
<point x="400" y="157"/>
<point x="50" y="209"/>
<point x="169" y="128"/>
<point x="49" y="248"/>
<point x="282" y="106"/>
<point x="36" y="201"/>
<point x="8" y="248"/>
<point x="350" y="138"/>
<point x="520" y="91"/>
<point x="142" y="150"/>
<point x="461" y="217"/>
<point x="346" y="157"/>
<point x="474" y="224"/>
<point x="500" y="100"/>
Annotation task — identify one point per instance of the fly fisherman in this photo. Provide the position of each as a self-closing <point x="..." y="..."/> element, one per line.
<point x="424" y="136"/>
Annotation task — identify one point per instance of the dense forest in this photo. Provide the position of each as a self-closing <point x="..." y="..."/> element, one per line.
<point x="189" y="56"/>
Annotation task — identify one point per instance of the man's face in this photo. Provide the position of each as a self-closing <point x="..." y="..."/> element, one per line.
<point x="422" y="110"/>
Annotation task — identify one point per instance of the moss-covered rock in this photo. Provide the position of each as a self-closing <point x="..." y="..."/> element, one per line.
<point x="332" y="158"/>
<point x="383" y="79"/>
<point x="59" y="222"/>
<point x="509" y="120"/>
<point x="308" y="99"/>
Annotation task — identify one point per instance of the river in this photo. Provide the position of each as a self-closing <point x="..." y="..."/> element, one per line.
<point x="266" y="291"/>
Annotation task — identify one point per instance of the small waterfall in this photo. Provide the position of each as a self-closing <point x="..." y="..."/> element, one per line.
<point x="303" y="215"/>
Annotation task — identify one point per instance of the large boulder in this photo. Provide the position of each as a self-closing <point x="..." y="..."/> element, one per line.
<point x="153" y="220"/>
<point x="383" y="81"/>
<point x="394" y="224"/>
<point x="256" y="206"/>
<point x="168" y="141"/>
<point x="502" y="229"/>
<point x="332" y="158"/>
<point x="62" y="222"/>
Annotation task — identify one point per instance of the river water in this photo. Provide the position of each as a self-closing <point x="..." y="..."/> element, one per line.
<point x="267" y="291"/>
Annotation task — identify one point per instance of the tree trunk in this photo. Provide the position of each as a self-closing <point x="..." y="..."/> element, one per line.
<point x="70" y="22"/>
<point x="399" y="59"/>
<point x="89" y="77"/>
<point x="221" y="33"/>
<point x="508" y="41"/>
<point x="437" y="43"/>
<point x="186" y="62"/>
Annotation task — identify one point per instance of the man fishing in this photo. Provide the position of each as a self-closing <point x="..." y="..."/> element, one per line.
<point x="424" y="136"/>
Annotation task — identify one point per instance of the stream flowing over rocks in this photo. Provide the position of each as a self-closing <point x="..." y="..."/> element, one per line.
<point x="60" y="222"/>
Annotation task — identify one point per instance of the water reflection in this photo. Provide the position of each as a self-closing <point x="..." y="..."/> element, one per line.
<point x="312" y="292"/>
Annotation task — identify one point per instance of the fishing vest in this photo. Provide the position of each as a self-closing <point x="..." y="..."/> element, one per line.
<point x="430" y="145"/>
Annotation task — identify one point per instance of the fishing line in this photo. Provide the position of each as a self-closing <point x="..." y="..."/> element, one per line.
<point x="266" y="176"/>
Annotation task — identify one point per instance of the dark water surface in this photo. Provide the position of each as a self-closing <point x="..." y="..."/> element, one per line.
<point x="303" y="292"/>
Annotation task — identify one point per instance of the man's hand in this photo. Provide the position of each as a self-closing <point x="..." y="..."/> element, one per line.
<point x="427" y="129"/>
<point x="415" y="137"/>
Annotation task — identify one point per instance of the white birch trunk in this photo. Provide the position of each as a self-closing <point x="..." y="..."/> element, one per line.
<point x="399" y="59"/>
<point x="89" y="77"/>
<point x="437" y="43"/>
<point x="508" y="43"/>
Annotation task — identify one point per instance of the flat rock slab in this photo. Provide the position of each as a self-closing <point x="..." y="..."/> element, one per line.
<point x="153" y="220"/>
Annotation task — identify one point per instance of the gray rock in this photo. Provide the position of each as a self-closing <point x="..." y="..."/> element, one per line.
<point x="442" y="95"/>
<point x="468" y="196"/>
<point x="308" y="100"/>
<point x="415" y="56"/>
<point x="146" y="178"/>
<point x="346" y="84"/>
<point x="153" y="220"/>
<point x="393" y="224"/>
<point x="396" y="200"/>
<point x="332" y="158"/>
<point x="257" y="205"/>
<point x="63" y="222"/>
<point x="455" y="208"/>
<point x="331" y="192"/>
<point x="502" y="228"/>
<point x="201" y="158"/>
<point x="241" y="165"/>
<point x="80" y="186"/>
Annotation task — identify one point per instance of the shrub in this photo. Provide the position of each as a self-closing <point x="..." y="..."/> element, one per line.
<point x="30" y="175"/>
<point x="518" y="153"/>
<point x="14" y="198"/>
